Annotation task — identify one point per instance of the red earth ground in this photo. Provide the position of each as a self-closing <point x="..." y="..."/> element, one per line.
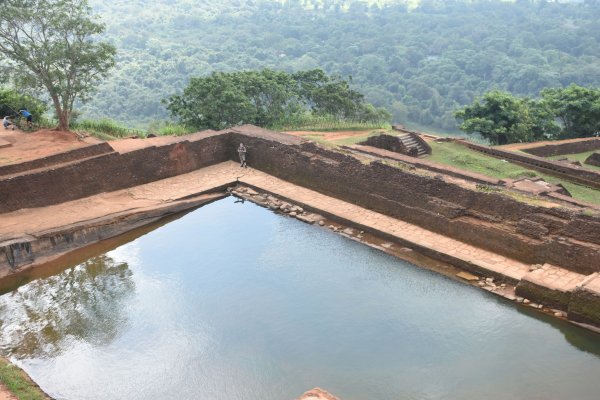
<point x="25" y="146"/>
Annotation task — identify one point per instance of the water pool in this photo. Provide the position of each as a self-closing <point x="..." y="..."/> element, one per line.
<point x="234" y="302"/>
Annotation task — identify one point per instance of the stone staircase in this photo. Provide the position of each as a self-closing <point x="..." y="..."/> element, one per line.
<point x="411" y="143"/>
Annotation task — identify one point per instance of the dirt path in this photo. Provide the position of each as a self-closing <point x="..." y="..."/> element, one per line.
<point x="26" y="146"/>
<point x="5" y="394"/>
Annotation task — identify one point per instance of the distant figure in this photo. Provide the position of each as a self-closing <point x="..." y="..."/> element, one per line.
<point x="28" y="117"/>
<point x="242" y="153"/>
<point x="7" y="122"/>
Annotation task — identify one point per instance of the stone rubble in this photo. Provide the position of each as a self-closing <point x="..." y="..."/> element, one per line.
<point x="273" y="203"/>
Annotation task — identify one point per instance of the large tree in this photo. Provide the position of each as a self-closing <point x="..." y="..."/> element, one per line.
<point x="577" y="108"/>
<point x="50" y="44"/>
<point x="267" y="97"/>
<point x="503" y="118"/>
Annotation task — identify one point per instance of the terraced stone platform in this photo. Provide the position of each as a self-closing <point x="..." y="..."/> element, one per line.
<point x="61" y="207"/>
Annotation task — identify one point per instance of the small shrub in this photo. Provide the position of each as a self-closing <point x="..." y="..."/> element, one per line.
<point x="487" y="188"/>
<point x="522" y="174"/>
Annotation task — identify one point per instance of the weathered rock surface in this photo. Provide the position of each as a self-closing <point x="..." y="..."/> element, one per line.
<point x="317" y="394"/>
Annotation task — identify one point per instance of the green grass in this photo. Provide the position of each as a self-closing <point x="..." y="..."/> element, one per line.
<point x="169" y="129"/>
<point x="358" y="138"/>
<point x="461" y="157"/>
<point x="19" y="383"/>
<point x="316" y="137"/>
<point x="308" y="122"/>
<point x="581" y="157"/>
<point x="105" y="129"/>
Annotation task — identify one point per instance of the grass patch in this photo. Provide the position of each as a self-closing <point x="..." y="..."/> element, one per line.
<point x="358" y="138"/>
<point x="105" y="129"/>
<point x="309" y="122"/>
<point x="169" y="129"/>
<point x="462" y="157"/>
<point x="459" y="156"/>
<point x="581" y="157"/>
<point x="19" y="383"/>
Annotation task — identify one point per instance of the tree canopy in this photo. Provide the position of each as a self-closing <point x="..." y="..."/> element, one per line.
<point x="267" y="97"/>
<point x="11" y="102"/>
<point x="577" y="108"/>
<point x="559" y="113"/>
<point x="419" y="63"/>
<point x="49" y="45"/>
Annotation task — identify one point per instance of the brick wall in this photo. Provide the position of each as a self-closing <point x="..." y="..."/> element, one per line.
<point x="109" y="172"/>
<point x="558" y="149"/>
<point x="386" y="142"/>
<point x="593" y="159"/>
<point x="489" y="220"/>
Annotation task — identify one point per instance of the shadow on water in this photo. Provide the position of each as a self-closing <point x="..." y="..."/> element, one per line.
<point x="576" y="336"/>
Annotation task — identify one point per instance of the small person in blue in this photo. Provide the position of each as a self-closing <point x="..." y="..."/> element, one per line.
<point x="27" y="116"/>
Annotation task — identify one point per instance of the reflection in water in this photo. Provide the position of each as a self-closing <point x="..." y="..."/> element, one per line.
<point x="235" y="303"/>
<point x="579" y="338"/>
<point x="85" y="302"/>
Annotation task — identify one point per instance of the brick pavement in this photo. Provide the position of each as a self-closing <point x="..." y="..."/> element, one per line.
<point x="555" y="278"/>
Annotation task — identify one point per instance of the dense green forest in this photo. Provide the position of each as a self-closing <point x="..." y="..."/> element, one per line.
<point x="421" y="63"/>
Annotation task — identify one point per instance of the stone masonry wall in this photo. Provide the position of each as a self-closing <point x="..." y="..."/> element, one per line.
<point x="64" y="157"/>
<point x="109" y="172"/>
<point x="593" y="159"/>
<point x="485" y="219"/>
<point x="489" y="220"/>
<point x="565" y="148"/>
<point x="386" y="142"/>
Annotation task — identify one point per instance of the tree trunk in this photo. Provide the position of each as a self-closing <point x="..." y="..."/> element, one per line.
<point x="61" y="113"/>
<point x="63" y="120"/>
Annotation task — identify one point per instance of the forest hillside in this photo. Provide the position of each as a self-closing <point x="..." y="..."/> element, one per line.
<point x="420" y="60"/>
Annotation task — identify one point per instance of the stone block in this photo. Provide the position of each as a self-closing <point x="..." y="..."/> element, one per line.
<point x="585" y="302"/>
<point x="539" y="287"/>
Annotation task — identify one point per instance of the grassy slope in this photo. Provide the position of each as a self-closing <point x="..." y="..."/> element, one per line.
<point x="460" y="157"/>
<point x="19" y="383"/>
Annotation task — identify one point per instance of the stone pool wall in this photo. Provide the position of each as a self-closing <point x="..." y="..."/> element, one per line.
<point x="489" y="220"/>
<point x="58" y="183"/>
<point x="486" y="219"/>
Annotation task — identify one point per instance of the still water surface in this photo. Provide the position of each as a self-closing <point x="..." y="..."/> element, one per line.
<point x="234" y="302"/>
